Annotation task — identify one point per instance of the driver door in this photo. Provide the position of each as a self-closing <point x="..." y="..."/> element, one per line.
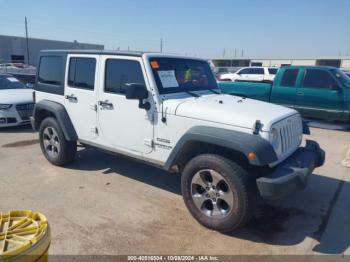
<point x="124" y="126"/>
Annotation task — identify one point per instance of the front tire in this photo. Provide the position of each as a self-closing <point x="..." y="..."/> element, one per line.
<point x="54" y="145"/>
<point x="218" y="192"/>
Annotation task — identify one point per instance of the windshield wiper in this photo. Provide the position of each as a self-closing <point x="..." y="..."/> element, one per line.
<point x="215" y="92"/>
<point x="192" y="94"/>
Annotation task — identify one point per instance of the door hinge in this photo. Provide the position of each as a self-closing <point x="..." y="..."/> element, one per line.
<point x="94" y="130"/>
<point x="93" y="107"/>
<point x="149" y="142"/>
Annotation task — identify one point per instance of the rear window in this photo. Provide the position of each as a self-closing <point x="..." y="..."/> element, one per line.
<point x="50" y="70"/>
<point x="289" y="77"/>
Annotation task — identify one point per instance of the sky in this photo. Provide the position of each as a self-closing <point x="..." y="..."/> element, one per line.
<point x="202" y="28"/>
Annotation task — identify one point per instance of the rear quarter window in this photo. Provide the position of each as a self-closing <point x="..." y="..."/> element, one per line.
<point x="51" y="74"/>
<point x="50" y="70"/>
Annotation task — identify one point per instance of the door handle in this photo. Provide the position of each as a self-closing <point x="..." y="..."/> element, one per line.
<point x="300" y="94"/>
<point x="71" y="97"/>
<point x="105" y="104"/>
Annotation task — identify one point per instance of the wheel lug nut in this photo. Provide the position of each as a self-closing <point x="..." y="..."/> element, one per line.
<point x="214" y="199"/>
<point x="207" y="195"/>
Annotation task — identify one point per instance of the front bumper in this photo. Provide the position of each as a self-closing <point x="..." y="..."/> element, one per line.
<point x="11" y="117"/>
<point x="292" y="175"/>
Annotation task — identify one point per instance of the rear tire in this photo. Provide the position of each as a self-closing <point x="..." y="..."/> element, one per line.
<point x="54" y="145"/>
<point x="218" y="192"/>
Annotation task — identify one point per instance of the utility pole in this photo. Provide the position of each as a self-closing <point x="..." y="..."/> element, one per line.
<point x="242" y="52"/>
<point x="161" y="45"/>
<point x="235" y="52"/>
<point x="27" y="41"/>
<point x="223" y="53"/>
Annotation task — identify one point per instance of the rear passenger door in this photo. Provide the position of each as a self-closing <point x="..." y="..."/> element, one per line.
<point x="284" y="89"/>
<point x="319" y="95"/>
<point x="80" y="94"/>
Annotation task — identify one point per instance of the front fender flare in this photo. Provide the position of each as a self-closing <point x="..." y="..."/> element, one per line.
<point x="235" y="140"/>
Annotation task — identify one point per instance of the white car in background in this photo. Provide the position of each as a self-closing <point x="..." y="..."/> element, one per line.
<point x="16" y="102"/>
<point x="251" y="74"/>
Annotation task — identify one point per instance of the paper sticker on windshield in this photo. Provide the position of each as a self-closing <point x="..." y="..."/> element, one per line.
<point x="168" y="79"/>
<point x="12" y="79"/>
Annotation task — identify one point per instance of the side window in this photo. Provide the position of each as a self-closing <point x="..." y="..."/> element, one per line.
<point x="82" y="73"/>
<point x="272" y="71"/>
<point x="50" y="70"/>
<point x="245" y="71"/>
<point x="315" y="78"/>
<point x="258" y="71"/>
<point x="289" y="77"/>
<point x="120" y="72"/>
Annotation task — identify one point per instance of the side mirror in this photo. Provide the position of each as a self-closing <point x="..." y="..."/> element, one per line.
<point x="139" y="92"/>
<point x="335" y="88"/>
<point x="29" y="85"/>
<point x="136" y="91"/>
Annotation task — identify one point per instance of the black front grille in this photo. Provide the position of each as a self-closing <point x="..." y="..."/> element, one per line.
<point x="8" y="120"/>
<point x="25" y="110"/>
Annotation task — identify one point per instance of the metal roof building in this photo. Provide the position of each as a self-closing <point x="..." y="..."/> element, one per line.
<point x="341" y="62"/>
<point x="13" y="49"/>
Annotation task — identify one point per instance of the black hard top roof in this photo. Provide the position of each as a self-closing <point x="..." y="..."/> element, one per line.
<point x="95" y="52"/>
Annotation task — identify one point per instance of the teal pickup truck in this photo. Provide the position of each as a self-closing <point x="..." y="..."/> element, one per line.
<point x="315" y="91"/>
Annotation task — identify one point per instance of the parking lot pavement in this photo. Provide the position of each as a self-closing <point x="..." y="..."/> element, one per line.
<point x="103" y="204"/>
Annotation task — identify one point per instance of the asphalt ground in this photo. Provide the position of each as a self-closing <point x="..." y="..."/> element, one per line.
<point x="108" y="205"/>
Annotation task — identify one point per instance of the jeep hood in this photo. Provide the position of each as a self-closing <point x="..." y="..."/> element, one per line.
<point x="16" y="96"/>
<point x="229" y="110"/>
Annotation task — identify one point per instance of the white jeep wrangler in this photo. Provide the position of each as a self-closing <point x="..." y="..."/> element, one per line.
<point x="167" y="110"/>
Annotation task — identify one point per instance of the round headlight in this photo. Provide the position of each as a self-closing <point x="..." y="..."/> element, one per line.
<point x="275" y="139"/>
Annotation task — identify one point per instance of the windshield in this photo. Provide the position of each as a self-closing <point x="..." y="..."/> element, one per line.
<point x="175" y="75"/>
<point x="341" y="76"/>
<point x="10" y="82"/>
